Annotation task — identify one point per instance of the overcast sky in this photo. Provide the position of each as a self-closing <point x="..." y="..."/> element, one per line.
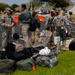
<point x="10" y="2"/>
<point x="73" y="0"/>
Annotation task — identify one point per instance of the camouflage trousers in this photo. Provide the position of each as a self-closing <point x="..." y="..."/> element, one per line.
<point x="3" y="38"/>
<point x="35" y="36"/>
<point x="26" y="35"/>
<point x="6" y="37"/>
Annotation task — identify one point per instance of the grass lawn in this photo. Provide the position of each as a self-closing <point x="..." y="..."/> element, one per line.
<point x="66" y="66"/>
<point x="0" y="14"/>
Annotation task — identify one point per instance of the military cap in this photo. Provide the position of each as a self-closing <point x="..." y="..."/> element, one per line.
<point x="8" y="9"/>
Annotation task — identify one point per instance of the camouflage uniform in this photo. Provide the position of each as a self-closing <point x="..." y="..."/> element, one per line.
<point x="61" y="24"/>
<point x="24" y="19"/>
<point x="6" y="34"/>
<point x="69" y="29"/>
<point x="51" y="27"/>
<point x="19" y="44"/>
<point x="35" y="35"/>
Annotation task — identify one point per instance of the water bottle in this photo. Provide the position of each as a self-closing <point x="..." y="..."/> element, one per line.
<point x="51" y="62"/>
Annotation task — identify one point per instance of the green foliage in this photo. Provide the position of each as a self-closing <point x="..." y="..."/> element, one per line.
<point x="34" y="4"/>
<point x="58" y="3"/>
<point x="3" y="6"/>
<point x="13" y="6"/>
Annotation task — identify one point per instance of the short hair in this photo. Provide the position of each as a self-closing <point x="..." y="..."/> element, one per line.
<point x="34" y="13"/>
<point x="15" y="36"/>
<point x="70" y="12"/>
<point x="23" y="6"/>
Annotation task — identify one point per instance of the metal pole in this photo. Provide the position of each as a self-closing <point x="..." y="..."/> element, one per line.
<point x="31" y="7"/>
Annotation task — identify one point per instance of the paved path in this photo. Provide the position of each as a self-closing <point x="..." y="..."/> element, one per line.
<point x="67" y="43"/>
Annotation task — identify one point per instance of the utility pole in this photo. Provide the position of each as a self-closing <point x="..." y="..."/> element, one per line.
<point x="31" y="6"/>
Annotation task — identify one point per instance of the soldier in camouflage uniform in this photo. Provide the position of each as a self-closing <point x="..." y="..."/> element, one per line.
<point x="61" y="23"/>
<point x="7" y="24"/>
<point x="25" y="19"/>
<point x="69" y="30"/>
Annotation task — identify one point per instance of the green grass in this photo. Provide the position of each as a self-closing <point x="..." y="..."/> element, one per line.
<point x="13" y="14"/>
<point x="0" y="14"/>
<point x="66" y="66"/>
<point x="73" y="17"/>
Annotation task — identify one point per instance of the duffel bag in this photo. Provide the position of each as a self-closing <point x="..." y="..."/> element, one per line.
<point x="26" y="64"/>
<point x="38" y="46"/>
<point x="7" y="66"/>
<point x="18" y="55"/>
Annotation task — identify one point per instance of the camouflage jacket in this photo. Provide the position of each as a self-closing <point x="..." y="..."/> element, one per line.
<point x="6" y="20"/>
<point x="60" y="21"/>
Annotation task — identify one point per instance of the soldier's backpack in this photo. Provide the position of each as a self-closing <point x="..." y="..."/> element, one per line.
<point x="38" y="46"/>
<point x="7" y="66"/>
<point x="45" y="36"/>
<point x="43" y="40"/>
<point x="32" y="26"/>
<point x="26" y="64"/>
<point x="45" y="60"/>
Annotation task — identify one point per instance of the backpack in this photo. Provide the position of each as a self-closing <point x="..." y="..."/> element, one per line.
<point x="44" y="61"/>
<point x="50" y="25"/>
<point x="32" y="26"/>
<point x="7" y="66"/>
<point x="38" y="46"/>
<point x="25" y="64"/>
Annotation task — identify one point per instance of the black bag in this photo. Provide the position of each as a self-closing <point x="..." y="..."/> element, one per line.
<point x="72" y="45"/>
<point x="2" y="54"/>
<point x="24" y="54"/>
<point x="18" y="55"/>
<point x="38" y="46"/>
<point x="32" y="26"/>
<point x="12" y="54"/>
<point x="7" y="66"/>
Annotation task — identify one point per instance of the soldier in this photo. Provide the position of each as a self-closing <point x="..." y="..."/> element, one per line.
<point x="51" y="26"/>
<point x="61" y="23"/>
<point x="7" y="23"/>
<point x="36" y="22"/>
<point x="25" y="19"/>
<point x="69" y="30"/>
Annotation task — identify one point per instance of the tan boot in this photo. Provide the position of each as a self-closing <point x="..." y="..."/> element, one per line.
<point x="3" y="49"/>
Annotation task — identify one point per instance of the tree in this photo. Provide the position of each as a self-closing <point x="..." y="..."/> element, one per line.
<point x="34" y="3"/>
<point x="13" y="6"/>
<point x="58" y="3"/>
<point x="3" y="6"/>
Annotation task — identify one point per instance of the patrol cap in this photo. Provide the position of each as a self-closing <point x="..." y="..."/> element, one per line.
<point x="8" y="9"/>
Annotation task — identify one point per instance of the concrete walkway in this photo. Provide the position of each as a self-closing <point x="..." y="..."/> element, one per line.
<point x="67" y="43"/>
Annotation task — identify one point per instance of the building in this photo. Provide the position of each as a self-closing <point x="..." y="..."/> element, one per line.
<point x="71" y="8"/>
